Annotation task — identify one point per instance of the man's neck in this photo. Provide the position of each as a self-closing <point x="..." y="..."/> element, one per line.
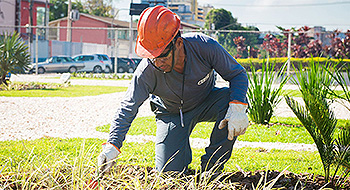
<point x="180" y="59"/>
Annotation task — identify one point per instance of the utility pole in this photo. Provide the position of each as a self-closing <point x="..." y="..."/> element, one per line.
<point x="289" y="47"/>
<point x="130" y="35"/>
<point x="30" y="32"/>
<point x="45" y="18"/>
<point x="30" y="20"/>
<point x="18" y="16"/>
<point x="69" y="22"/>
<point x="116" y="49"/>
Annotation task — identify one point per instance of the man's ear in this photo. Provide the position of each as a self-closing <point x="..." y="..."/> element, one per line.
<point x="179" y="41"/>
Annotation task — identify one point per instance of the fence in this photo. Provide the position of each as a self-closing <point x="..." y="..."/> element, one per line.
<point x="115" y="42"/>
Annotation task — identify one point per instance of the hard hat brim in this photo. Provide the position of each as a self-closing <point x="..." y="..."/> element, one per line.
<point x="143" y="52"/>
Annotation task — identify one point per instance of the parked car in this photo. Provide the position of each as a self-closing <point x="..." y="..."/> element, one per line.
<point x="58" y="64"/>
<point x="126" y="65"/>
<point x="96" y="63"/>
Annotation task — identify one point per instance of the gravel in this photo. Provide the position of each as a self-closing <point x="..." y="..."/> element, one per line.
<point x="35" y="117"/>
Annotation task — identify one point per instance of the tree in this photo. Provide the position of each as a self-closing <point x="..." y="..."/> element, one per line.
<point x="14" y="56"/>
<point x="274" y="45"/>
<point x="58" y="9"/>
<point x="339" y="48"/>
<point x="99" y="7"/>
<point x="221" y="19"/>
<point x="93" y="7"/>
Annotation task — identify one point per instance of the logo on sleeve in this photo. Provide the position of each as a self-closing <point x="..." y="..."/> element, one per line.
<point x="200" y="82"/>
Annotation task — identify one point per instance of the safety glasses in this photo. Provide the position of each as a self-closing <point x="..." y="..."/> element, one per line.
<point x="169" y="48"/>
<point x="162" y="57"/>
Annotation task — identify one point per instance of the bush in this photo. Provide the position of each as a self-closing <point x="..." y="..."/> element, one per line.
<point x="262" y="96"/>
<point x="14" y="56"/>
<point x="318" y="118"/>
<point x="295" y="62"/>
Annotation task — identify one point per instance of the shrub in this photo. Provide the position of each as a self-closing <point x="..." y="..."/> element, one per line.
<point x="318" y="118"/>
<point x="262" y="97"/>
<point x="295" y="62"/>
<point x="14" y="56"/>
<point x="340" y="76"/>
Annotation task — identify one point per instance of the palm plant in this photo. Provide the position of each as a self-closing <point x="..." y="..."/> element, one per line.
<point x="14" y="56"/>
<point x="342" y="150"/>
<point x="318" y="118"/>
<point x="340" y="76"/>
<point x="263" y="97"/>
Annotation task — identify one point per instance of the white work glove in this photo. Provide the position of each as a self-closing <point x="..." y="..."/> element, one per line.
<point x="236" y="120"/>
<point x="106" y="158"/>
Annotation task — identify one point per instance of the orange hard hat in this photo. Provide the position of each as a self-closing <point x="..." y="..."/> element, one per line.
<point x="156" y="28"/>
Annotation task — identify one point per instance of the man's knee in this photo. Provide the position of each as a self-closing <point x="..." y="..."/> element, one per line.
<point x="170" y="162"/>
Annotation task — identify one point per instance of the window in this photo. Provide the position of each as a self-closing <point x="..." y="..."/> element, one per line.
<point x="102" y="57"/>
<point x="123" y="34"/>
<point x="87" y="58"/>
<point x="40" y="16"/>
<point x="78" y="58"/>
<point x="110" y="34"/>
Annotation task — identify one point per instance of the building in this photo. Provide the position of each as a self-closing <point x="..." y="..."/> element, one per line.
<point x="90" y="29"/>
<point x="188" y="10"/>
<point x="320" y="33"/>
<point x="16" y="14"/>
<point x="34" y="13"/>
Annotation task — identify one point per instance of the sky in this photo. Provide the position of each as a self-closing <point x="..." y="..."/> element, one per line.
<point x="267" y="14"/>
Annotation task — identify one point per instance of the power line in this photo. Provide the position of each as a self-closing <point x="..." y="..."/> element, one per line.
<point x="286" y="5"/>
<point x="327" y="24"/>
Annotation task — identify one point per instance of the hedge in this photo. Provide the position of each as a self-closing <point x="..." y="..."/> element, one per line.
<point x="294" y="61"/>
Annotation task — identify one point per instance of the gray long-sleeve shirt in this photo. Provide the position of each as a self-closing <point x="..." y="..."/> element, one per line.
<point x="203" y="55"/>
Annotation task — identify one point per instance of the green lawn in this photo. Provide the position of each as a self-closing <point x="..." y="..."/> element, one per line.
<point x="71" y="91"/>
<point x="55" y="153"/>
<point x="295" y="133"/>
<point x="297" y="93"/>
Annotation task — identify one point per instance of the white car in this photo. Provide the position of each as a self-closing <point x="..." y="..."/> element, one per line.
<point x="58" y="64"/>
<point x="96" y="63"/>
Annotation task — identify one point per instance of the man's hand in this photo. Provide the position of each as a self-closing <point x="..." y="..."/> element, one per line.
<point x="107" y="157"/>
<point x="236" y="119"/>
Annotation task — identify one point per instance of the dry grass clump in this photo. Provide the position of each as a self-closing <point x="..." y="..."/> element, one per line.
<point x="77" y="170"/>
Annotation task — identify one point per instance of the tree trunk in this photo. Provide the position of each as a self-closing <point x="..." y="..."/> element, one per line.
<point x="3" y="80"/>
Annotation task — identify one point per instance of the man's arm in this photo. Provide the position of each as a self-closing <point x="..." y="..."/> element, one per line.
<point x="236" y="118"/>
<point x="229" y="69"/>
<point x="137" y="93"/>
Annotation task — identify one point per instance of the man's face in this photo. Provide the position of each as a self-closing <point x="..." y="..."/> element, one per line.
<point x="164" y="61"/>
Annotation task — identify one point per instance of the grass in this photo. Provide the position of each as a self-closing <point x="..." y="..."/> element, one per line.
<point x="47" y="153"/>
<point x="249" y="159"/>
<point x="294" y="133"/>
<point x="71" y="91"/>
<point x="54" y="163"/>
<point x="297" y="93"/>
<point x="100" y="78"/>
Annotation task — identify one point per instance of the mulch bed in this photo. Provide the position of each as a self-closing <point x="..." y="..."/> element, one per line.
<point x="246" y="180"/>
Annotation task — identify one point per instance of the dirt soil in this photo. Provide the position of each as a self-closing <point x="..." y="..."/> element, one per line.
<point x="236" y="180"/>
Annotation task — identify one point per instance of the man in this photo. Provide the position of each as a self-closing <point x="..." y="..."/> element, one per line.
<point x="178" y="73"/>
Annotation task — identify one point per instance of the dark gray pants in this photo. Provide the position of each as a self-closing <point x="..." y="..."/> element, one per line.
<point x="172" y="148"/>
